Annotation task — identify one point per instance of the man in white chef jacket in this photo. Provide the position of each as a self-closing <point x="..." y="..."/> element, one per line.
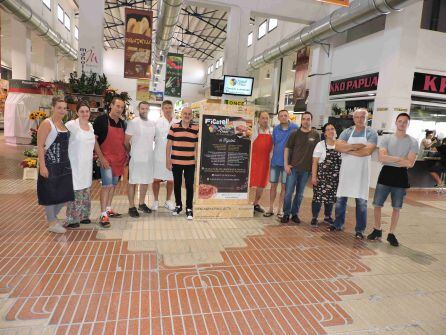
<point x="356" y="144"/>
<point x="160" y="172"/>
<point x="139" y="139"/>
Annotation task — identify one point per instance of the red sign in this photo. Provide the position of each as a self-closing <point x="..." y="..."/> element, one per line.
<point x="429" y="83"/>
<point x="344" y="3"/>
<point x="138" y="43"/>
<point x="368" y="82"/>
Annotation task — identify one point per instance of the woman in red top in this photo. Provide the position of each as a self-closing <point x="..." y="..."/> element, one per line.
<point x="262" y="144"/>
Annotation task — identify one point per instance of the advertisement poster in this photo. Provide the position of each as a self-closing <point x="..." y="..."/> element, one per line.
<point x="138" y="43"/>
<point x="174" y="74"/>
<point x="301" y="74"/>
<point x="238" y="85"/>
<point x="142" y="89"/>
<point x="225" y="151"/>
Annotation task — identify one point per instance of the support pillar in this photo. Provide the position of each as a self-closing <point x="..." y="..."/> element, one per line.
<point x="397" y="66"/>
<point x="20" y="51"/>
<point x="91" y="36"/>
<point x="235" y="55"/>
<point x="319" y="84"/>
<point x="49" y="64"/>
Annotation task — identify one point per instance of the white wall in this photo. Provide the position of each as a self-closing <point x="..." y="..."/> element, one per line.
<point x="431" y="51"/>
<point x="358" y="57"/>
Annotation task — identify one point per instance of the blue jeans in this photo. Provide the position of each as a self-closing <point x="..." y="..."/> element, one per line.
<point x="297" y="180"/>
<point x="383" y="191"/>
<point x="108" y="178"/>
<point x="361" y="213"/>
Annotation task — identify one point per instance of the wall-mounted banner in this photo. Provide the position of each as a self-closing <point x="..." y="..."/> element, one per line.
<point x="344" y="3"/>
<point x="365" y="83"/>
<point x="429" y="83"/>
<point x="156" y="96"/>
<point x="174" y="75"/>
<point x="301" y="74"/>
<point x="142" y="89"/>
<point x="138" y="43"/>
<point x="224" y="162"/>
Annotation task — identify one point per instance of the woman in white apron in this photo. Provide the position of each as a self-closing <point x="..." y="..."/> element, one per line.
<point x="80" y="152"/>
<point x="354" y="175"/>
<point x="140" y="134"/>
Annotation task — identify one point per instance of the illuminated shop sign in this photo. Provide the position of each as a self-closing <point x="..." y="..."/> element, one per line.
<point x="429" y="83"/>
<point x="365" y="83"/>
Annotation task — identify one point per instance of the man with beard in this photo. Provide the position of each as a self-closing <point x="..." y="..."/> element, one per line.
<point x="139" y="138"/>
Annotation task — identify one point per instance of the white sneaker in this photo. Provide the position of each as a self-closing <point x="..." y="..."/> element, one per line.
<point x="155" y="206"/>
<point x="189" y="214"/>
<point x="57" y="229"/>
<point x="169" y="205"/>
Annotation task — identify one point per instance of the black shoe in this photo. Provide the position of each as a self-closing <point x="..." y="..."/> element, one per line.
<point x="295" y="219"/>
<point x="258" y="209"/>
<point x="333" y="228"/>
<point x="177" y="210"/>
<point x="285" y="219"/>
<point x="359" y="235"/>
<point x="72" y="225"/>
<point x="392" y="240"/>
<point x="189" y="214"/>
<point x="314" y="223"/>
<point x="329" y="221"/>
<point x="133" y="212"/>
<point x="144" y="208"/>
<point x="375" y="234"/>
<point x="86" y="221"/>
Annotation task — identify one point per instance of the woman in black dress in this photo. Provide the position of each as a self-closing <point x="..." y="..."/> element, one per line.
<point x="54" y="183"/>
<point x="325" y="175"/>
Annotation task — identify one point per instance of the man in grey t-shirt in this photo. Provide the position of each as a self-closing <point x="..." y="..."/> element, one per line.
<point x="397" y="152"/>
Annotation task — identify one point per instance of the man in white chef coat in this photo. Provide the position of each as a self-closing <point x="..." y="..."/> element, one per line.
<point x="139" y="139"/>
<point x="160" y="172"/>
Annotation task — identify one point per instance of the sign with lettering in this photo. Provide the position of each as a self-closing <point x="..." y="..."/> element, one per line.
<point x="138" y="43"/>
<point x="429" y="83"/>
<point x="365" y="83"/>
<point x="224" y="157"/>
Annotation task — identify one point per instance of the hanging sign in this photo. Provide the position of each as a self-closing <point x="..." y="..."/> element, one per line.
<point x="429" y="83"/>
<point x="138" y="43"/>
<point x="142" y="90"/>
<point x="301" y="74"/>
<point x="344" y="3"/>
<point x="365" y="83"/>
<point x="174" y="74"/>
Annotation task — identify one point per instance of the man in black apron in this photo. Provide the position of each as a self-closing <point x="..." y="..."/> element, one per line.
<point x="397" y="152"/>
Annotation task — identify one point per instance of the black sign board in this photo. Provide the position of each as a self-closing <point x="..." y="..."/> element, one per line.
<point x="429" y="83"/>
<point x="225" y="157"/>
<point x="365" y="83"/>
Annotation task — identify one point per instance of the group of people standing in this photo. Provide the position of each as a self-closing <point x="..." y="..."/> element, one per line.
<point x="339" y="169"/>
<point x="165" y="150"/>
<point x="155" y="152"/>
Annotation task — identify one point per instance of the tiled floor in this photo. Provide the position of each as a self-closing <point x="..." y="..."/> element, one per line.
<point x="164" y="275"/>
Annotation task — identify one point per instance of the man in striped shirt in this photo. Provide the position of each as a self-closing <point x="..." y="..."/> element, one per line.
<point x="180" y="158"/>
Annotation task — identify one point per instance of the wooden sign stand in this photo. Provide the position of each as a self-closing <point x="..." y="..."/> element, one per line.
<point x="233" y="203"/>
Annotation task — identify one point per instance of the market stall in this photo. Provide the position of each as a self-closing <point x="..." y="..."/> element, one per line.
<point x="23" y="98"/>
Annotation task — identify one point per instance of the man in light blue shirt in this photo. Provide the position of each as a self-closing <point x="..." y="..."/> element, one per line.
<point x="281" y="132"/>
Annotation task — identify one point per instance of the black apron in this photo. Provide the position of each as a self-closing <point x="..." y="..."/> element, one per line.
<point x="58" y="187"/>
<point x="394" y="176"/>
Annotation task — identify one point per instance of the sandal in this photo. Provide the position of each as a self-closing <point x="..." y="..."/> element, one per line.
<point x="268" y="214"/>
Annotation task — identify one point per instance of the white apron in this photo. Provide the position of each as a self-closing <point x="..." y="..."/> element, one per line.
<point x="80" y="152"/>
<point x="141" y="154"/>
<point x="354" y="175"/>
<point x="162" y="129"/>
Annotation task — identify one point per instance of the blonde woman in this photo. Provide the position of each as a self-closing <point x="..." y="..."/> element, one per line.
<point x="54" y="183"/>
<point x="80" y="150"/>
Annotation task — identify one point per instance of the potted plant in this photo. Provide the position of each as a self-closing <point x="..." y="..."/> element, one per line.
<point x="38" y="116"/>
<point x="29" y="166"/>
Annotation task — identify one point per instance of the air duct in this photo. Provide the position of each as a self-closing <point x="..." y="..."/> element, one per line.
<point x="169" y="13"/>
<point x="26" y="15"/>
<point x="339" y="21"/>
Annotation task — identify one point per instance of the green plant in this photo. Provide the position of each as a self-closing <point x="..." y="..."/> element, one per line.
<point x="336" y="109"/>
<point x="87" y="83"/>
<point x="110" y="94"/>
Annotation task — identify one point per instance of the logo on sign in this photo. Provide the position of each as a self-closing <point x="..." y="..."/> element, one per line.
<point x="88" y="57"/>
